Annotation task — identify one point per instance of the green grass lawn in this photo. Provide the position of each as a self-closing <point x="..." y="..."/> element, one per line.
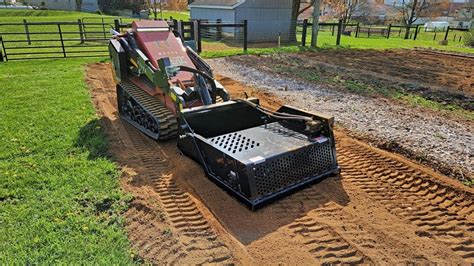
<point x="425" y="41"/>
<point x="327" y="41"/>
<point x="60" y="199"/>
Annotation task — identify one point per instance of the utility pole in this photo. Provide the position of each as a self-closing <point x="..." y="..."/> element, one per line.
<point x="314" y="33"/>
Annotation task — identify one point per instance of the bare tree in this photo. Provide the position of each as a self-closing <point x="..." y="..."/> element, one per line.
<point x="315" y="31"/>
<point x="344" y="9"/>
<point x="155" y="5"/>
<point x="411" y="10"/>
<point x="296" y="10"/>
<point x="79" y="5"/>
<point x="347" y="9"/>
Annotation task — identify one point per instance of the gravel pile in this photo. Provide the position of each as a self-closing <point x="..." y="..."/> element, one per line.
<point x="450" y="144"/>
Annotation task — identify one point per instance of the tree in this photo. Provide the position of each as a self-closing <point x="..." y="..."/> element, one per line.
<point x="411" y="10"/>
<point x="78" y="5"/>
<point x="296" y="10"/>
<point x="344" y="9"/>
<point x="347" y="10"/>
<point x="315" y="30"/>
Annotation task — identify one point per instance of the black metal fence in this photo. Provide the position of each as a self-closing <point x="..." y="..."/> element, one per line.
<point x="227" y="33"/>
<point x="88" y="37"/>
<point x="43" y="40"/>
<point x="337" y="29"/>
<point x="390" y="31"/>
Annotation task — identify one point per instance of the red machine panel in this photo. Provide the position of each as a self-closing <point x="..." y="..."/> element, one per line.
<point x="155" y="40"/>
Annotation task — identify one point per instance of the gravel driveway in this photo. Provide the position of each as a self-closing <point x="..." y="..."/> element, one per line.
<point x="442" y="142"/>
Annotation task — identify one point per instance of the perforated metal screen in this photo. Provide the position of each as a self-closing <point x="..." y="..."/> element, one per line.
<point x="235" y="142"/>
<point x="285" y="171"/>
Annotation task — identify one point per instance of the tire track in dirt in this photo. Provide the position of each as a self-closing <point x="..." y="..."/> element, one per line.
<point x="335" y="235"/>
<point x="437" y="211"/>
<point x="181" y="211"/>
<point x="198" y="240"/>
<point x="163" y="222"/>
<point x="325" y="244"/>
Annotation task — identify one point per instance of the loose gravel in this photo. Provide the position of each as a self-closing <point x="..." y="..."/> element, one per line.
<point x="446" y="142"/>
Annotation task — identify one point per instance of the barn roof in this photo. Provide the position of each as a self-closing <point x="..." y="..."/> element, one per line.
<point x="227" y="4"/>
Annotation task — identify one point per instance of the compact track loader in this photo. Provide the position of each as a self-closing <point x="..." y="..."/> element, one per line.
<point x="167" y="91"/>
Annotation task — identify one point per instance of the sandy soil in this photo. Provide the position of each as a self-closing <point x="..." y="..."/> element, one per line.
<point x="381" y="209"/>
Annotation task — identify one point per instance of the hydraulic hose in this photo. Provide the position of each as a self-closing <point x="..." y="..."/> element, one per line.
<point x="203" y="74"/>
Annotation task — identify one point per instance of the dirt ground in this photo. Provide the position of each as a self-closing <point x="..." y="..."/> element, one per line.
<point x="447" y="79"/>
<point x="381" y="209"/>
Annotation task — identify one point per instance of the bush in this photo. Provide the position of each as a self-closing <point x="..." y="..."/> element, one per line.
<point x="469" y="38"/>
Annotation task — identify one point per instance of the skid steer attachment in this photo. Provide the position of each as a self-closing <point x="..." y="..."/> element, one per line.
<point x="166" y="91"/>
<point x="255" y="156"/>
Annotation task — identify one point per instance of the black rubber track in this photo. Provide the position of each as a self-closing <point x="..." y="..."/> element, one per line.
<point x="164" y="118"/>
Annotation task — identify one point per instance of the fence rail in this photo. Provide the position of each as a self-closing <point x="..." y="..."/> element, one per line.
<point x="87" y="37"/>
<point x="44" y="40"/>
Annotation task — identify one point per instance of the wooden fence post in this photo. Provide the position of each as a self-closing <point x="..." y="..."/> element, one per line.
<point x="305" y="29"/>
<point x="333" y="26"/>
<point x="219" y="29"/>
<point x="175" y="24"/>
<point x="245" y="35"/>
<point x="1" y="53"/>
<point x="399" y="31"/>
<point x="62" y="40"/>
<point x="389" y="29"/>
<point x="368" y="33"/>
<point x="4" y="49"/>
<point x="180" y="27"/>
<point x="339" y="32"/>
<point x="81" y="32"/>
<point x="103" y="28"/>
<point x="117" y="25"/>
<point x="27" y="31"/>
<point x="357" y="30"/>
<point x="434" y="37"/>
<point x="84" y="28"/>
<point x="198" y="37"/>
<point x="447" y="32"/>
<point x="416" y="32"/>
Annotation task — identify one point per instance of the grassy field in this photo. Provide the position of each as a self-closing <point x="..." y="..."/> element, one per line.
<point x="59" y="193"/>
<point x="327" y="41"/>
<point x="425" y="41"/>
